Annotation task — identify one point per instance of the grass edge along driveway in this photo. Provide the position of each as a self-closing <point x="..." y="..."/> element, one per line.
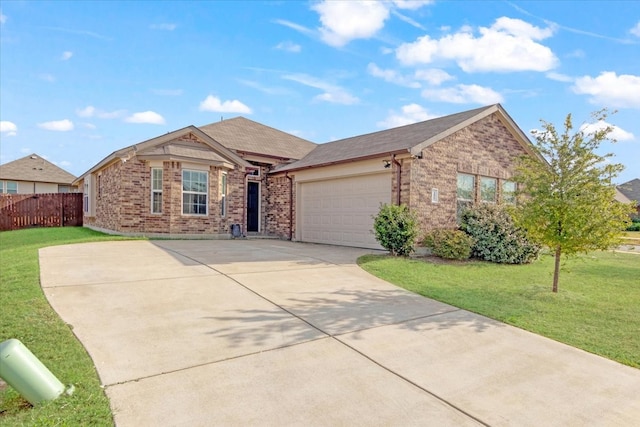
<point x="596" y="310"/>
<point x="27" y="316"/>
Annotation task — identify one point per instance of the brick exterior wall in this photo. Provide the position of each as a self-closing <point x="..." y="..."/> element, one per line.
<point x="486" y="148"/>
<point x="277" y="210"/>
<point x="123" y="201"/>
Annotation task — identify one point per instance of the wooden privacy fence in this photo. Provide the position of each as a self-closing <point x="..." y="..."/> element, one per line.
<point x="40" y="210"/>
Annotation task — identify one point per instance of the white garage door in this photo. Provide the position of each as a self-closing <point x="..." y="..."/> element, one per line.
<point x="340" y="211"/>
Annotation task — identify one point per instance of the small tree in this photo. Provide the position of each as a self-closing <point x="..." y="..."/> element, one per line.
<point x="567" y="203"/>
<point x="395" y="228"/>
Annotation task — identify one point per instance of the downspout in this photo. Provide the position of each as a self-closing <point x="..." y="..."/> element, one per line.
<point x="286" y="175"/>
<point x="398" y="177"/>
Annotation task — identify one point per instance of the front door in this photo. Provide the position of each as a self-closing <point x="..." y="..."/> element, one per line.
<point x="253" y="207"/>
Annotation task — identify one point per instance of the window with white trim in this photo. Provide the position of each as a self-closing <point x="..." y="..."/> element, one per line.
<point x="86" y="195"/>
<point x="509" y="192"/>
<point x="156" y="190"/>
<point x="9" y="187"/>
<point x="223" y="196"/>
<point x="488" y="189"/>
<point x="194" y="192"/>
<point x="434" y="195"/>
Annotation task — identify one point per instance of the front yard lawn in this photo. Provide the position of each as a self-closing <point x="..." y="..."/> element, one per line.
<point x="27" y="316"/>
<point x="597" y="308"/>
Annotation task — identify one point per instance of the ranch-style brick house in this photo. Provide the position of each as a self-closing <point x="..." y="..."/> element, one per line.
<point x="198" y="182"/>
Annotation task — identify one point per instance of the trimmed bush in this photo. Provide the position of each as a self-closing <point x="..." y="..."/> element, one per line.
<point x="497" y="239"/>
<point x="449" y="244"/>
<point x="396" y="229"/>
<point x="635" y="223"/>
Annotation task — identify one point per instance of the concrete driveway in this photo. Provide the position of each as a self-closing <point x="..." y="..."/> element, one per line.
<point x="266" y="332"/>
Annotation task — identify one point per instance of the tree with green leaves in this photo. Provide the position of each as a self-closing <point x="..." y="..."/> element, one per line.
<point x="566" y="198"/>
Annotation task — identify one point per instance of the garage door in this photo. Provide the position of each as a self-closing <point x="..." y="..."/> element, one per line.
<point x="339" y="211"/>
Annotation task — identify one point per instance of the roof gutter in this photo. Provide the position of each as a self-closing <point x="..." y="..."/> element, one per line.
<point x="340" y="162"/>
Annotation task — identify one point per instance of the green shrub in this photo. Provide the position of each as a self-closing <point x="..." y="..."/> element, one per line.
<point x="450" y="244"/>
<point x="635" y="223"/>
<point x="497" y="239"/>
<point x="395" y="228"/>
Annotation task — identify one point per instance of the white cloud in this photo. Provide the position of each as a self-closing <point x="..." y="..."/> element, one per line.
<point x="57" y="125"/>
<point x="464" y="94"/>
<point x="47" y="78"/>
<point x="3" y="18"/>
<point x="66" y="55"/>
<point x="411" y="4"/>
<point x="89" y="126"/>
<point x="616" y="133"/>
<point x="343" y="21"/>
<point x="332" y="93"/>
<point x="433" y="76"/>
<point x="411" y="113"/>
<point x="88" y="111"/>
<point x="213" y="103"/>
<point x="8" y="128"/>
<point x="610" y="89"/>
<point x="91" y="111"/>
<point x="508" y="45"/>
<point x="299" y="28"/>
<point x="288" y="46"/>
<point x="559" y="77"/>
<point x="150" y="117"/>
<point x="636" y="30"/>
<point x="165" y="26"/>
<point x="64" y="164"/>
<point x="391" y="76"/>
<point x="408" y="20"/>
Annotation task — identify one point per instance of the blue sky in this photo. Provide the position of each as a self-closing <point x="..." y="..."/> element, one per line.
<point x="79" y="80"/>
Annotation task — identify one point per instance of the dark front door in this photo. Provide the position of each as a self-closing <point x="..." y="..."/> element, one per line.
<point x="253" y="206"/>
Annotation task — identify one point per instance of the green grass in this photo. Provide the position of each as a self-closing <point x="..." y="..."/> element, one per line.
<point x="27" y="316"/>
<point x="597" y="308"/>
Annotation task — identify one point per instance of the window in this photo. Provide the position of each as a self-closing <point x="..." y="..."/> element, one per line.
<point x="509" y="192"/>
<point x="86" y="196"/>
<point x="156" y="190"/>
<point x="466" y="187"/>
<point x="194" y="192"/>
<point x="434" y="195"/>
<point x="488" y="189"/>
<point x="466" y="192"/>
<point x="223" y="198"/>
<point x="9" y="187"/>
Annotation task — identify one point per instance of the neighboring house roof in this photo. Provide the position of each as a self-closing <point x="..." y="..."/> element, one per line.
<point x="411" y="138"/>
<point x="631" y="189"/>
<point x="34" y="168"/>
<point x="244" y="135"/>
<point x="181" y="150"/>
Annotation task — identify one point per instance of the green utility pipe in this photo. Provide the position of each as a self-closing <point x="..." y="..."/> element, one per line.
<point x="26" y="374"/>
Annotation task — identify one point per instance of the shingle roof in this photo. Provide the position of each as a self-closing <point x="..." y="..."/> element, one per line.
<point x="181" y="151"/>
<point x="631" y="189"/>
<point x="394" y="140"/>
<point x="35" y="168"/>
<point x="244" y="135"/>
